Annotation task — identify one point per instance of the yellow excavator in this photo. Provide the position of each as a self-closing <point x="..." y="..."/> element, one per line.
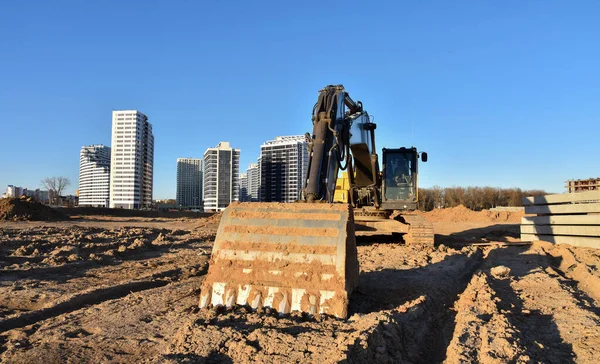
<point x="302" y="256"/>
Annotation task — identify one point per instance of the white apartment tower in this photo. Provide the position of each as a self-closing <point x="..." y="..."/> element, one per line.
<point x="244" y="187"/>
<point x="132" y="160"/>
<point x="94" y="176"/>
<point x="221" y="176"/>
<point x="253" y="182"/>
<point x="189" y="183"/>
<point x="283" y="164"/>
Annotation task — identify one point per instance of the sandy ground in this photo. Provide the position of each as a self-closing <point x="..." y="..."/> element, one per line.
<point x="113" y="289"/>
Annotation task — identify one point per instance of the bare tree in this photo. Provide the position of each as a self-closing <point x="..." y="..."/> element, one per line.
<point x="55" y="186"/>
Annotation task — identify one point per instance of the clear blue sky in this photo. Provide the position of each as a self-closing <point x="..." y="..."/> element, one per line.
<point x="499" y="93"/>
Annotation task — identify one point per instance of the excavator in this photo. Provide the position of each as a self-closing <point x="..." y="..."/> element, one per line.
<point x="302" y="256"/>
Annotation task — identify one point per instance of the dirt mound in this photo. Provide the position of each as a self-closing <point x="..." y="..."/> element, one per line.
<point x="461" y="213"/>
<point x="214" y="218"/>
<point x="25" y="209"/>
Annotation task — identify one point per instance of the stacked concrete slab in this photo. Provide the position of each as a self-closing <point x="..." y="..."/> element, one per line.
<point x="569" y="218"/>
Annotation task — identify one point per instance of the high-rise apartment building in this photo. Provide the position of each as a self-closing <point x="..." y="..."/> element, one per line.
<point x="94" y="176"/>
<point x="189" y="183"/>
<point x="221" y="176"/>
<point x="244" y="187"/>
<point x="283" y="164"/>
<point x="132" y="160"/>
<point x="253" y="182"/>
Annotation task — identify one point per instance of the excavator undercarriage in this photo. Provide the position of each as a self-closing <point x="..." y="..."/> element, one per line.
<point x="415" y="229"/>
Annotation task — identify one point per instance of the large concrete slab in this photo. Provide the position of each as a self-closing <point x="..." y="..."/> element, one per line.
<point x="561" y="220"/>
<point x="575" y="230"/>
<point x="564" y="209"/>
<point x="562" y="198"/>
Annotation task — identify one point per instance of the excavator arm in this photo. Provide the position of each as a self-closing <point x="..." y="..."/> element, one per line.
<point x="327" y="144"/>
<point x="343" y="137"/>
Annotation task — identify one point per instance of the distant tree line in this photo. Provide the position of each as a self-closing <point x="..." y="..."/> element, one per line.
<point x="474" y="198"/>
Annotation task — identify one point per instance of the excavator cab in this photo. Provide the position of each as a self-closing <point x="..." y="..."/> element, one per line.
<point x="400" y="172"/>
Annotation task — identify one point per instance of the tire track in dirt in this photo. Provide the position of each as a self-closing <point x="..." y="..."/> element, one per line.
<point x="431" y="332"/>
<point x="424" y="333"/>
<point x="524" y="311"/>
<point x="129" y="329"/>
<point x="93" y="297"/>
<point x="581" y="266"/>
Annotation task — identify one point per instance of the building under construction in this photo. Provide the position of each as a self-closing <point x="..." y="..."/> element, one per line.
<point x="580" y="185"/>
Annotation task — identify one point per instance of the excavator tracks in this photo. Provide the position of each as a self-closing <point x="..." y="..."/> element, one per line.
<point x="420" y="232"/>
<point x="415" y="228"/>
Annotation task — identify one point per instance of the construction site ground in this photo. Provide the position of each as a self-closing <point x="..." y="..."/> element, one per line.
<point x="99" y="289"/>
